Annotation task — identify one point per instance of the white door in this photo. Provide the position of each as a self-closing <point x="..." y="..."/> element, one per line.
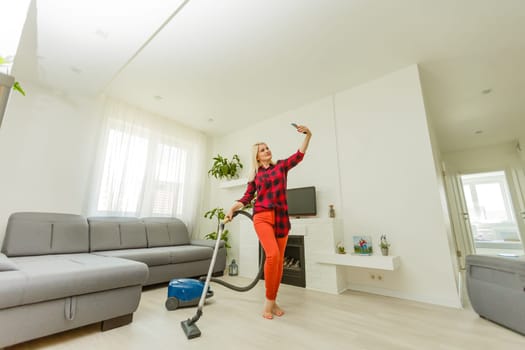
<point x="518" y="182"/>
<point x="463" y="231"/>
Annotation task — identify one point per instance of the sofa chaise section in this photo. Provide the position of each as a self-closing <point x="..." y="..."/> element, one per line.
<point x="53" y="283"/>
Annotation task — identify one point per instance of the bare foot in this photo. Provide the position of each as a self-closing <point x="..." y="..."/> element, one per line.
<point x="276" y="310"/>
<point x="267" y="315"/>
<point x="268" y="309"/>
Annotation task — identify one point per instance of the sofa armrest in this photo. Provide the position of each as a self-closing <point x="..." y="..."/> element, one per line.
<point x="207" y="243"/>
<point x="7" y="264"/>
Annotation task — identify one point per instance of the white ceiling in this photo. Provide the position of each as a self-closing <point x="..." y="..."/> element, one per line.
<point x="240" y="61"/>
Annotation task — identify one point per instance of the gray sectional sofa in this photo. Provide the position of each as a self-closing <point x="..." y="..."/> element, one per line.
<point x="62" y="271"/>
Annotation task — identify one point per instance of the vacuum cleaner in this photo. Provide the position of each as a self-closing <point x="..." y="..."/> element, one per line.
<point x="202" y="285"/>
<point x="183" y="292"/>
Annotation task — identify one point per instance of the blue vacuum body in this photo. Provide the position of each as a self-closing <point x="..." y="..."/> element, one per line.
<point x="183" y="292"/>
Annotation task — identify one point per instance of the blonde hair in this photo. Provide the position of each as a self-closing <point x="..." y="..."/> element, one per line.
<point x="255" y="163"/>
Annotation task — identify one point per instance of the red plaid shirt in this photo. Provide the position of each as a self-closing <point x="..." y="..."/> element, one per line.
<point x="270" y="185"/>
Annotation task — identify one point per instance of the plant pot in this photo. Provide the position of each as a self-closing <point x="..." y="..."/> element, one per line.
<point x="384" y="251"/>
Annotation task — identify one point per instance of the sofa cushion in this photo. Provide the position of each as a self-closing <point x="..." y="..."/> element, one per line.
<point x="6" y="264"/>
<point x="188" y="253"/>
<point x="50" y="277"/>
<point x="166" y="232"/>
<point x="208" y="243"/>
<point x="109" y="233"/>
<point x="148" y="256"/>
<point x="45" y="233"/>
<point x="163" y="255"/>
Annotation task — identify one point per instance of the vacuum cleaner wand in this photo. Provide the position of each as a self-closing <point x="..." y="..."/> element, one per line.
<point x="189" y="326"/>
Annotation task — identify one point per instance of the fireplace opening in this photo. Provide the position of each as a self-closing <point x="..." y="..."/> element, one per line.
<point x="294" y="262"/>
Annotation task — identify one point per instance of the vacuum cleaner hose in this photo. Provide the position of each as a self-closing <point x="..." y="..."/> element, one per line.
<point x="261" y="265"/>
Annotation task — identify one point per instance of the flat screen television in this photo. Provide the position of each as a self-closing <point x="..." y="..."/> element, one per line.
<point x="301" y="201"/>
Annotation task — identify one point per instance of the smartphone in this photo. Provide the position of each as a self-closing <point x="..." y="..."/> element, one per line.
<point x="296" y="126"/>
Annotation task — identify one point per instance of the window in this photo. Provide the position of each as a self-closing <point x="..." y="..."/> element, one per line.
<point x="169" y="177"/>
<point x="123" y="174"/>
<point x="146" y="165"/>
<point x="490" y="210"/>
<point x="140" y="174"/>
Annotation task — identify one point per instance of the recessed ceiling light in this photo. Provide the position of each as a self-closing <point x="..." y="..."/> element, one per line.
<point x="102" y="34"/>
<point x="486" y="91"/>
<point x="477" y="132"/>
<point x="76" y="69"/>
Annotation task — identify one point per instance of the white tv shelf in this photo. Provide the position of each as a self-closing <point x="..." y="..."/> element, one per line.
<point x="234" y="183"/>
<point x="366" y="261"/>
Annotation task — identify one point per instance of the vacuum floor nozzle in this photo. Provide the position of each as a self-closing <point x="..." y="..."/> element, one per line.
<point x="190" y="329"/>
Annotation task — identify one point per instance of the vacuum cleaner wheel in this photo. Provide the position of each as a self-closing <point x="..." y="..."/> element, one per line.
<point x="172" y="303"/>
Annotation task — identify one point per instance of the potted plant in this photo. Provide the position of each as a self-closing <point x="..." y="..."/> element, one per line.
<point x="341" y="248"/>
<point x="16" y="85"/>
<point x="223" y="168"/>
<point x="383" y="243"/>
<point x="7" y="82"/>
<point x="219" y="214"/>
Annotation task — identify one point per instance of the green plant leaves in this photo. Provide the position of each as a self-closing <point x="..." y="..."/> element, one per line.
<point x="215" y="212"/>
<point x="17" y="87"/>
<point x="219" y="214"/>
<point x="224" y="237"/>
<point x="224" y="168"/>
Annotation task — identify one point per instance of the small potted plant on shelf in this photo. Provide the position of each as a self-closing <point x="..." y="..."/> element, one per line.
<point x="223" y="168"/>
<point x="341" y="248"/>
<point x="383" y="243"/>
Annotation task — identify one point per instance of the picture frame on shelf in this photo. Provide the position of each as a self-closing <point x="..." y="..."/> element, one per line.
<point x="363" y="245"/>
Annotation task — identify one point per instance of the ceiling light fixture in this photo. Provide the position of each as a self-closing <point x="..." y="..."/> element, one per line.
<point x="101" y="34"/>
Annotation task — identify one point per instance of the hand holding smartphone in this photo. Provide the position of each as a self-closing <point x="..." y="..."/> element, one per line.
<point x="296" y="126"/>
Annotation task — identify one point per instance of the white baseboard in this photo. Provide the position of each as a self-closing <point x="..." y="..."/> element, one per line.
<point x="453" y="303"/>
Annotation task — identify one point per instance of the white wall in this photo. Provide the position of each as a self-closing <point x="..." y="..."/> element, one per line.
<point x="521" y="148"/>
<point x="390" y="187"/>
<point x="373" y="160"/>
<point x="483" y="159"/>
<point x="47" y="142"/>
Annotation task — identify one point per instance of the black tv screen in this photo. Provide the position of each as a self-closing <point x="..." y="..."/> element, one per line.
<point x="301" y="201"/>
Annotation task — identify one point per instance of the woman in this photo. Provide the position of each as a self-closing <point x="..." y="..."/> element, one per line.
<point x="270" y="212"/>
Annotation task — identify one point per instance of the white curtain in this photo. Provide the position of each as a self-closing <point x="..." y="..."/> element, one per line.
<point x="147" y="166"/>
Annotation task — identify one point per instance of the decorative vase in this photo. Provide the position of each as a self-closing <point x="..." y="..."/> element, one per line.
<point x="331" y="211"/>
<point x="6" y="83"/>
<point x="384" y="251"/>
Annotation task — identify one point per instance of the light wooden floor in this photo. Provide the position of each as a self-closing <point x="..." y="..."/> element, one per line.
<point x="314" y="320"/>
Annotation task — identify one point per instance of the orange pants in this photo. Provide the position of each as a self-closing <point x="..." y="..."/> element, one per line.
<point x="273" y="248"/>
